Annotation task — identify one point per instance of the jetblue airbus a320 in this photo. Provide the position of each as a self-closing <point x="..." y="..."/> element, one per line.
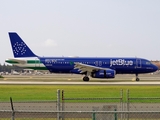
<point x="95" y="67"/>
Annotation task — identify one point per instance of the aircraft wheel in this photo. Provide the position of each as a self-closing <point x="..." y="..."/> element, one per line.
<point x="86" y="78"/>
<point x="137" y="79"/>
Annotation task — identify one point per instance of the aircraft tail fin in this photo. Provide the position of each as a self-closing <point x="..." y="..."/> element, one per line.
<point x="19" y="47"/>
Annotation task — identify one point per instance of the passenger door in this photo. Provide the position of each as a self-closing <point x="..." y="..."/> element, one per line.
<point x="138" y="63"/>
<point x="37" y="63"/>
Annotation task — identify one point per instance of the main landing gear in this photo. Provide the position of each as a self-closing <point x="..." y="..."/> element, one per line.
<point x="85" y="78"/>
<point x="137" y="79"/>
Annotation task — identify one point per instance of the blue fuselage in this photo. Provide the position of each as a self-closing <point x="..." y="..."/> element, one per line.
<point x="120" y="65"/>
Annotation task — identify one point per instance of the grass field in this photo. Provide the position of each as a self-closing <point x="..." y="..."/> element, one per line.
<point x="48" y="92"/>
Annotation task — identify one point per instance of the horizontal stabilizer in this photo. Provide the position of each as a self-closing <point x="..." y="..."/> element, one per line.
<point x="15" y="61"/>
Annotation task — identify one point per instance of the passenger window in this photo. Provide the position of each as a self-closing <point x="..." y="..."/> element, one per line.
<point x="148" y="63"/>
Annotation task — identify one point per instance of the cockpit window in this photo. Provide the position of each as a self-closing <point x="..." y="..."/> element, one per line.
<point x="148" y="63"/>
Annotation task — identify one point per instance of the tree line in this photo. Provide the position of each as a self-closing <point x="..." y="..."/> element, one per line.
<point x="8" y="68"/>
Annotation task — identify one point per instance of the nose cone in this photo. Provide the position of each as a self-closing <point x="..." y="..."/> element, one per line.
<point x="155" y="68"/>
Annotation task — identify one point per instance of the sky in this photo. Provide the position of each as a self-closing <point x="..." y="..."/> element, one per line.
<point x="84" y="28"/>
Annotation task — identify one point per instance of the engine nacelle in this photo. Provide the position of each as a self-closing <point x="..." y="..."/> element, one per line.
<point x="104" y="74"/>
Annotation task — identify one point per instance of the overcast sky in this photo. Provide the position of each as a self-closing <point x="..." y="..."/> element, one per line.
<point x="93" y="28"/>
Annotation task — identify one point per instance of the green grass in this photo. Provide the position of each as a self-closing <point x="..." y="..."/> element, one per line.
<point x="1" y="76"/>
<point x="46" y="118"/>
<point x="48" y="92"/>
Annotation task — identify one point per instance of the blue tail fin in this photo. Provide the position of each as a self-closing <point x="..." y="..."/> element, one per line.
<point x="19" y="47"/>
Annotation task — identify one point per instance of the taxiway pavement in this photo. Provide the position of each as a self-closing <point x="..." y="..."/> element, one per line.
<point x="72" y="79"/>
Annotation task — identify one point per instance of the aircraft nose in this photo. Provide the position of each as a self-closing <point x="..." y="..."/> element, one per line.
<point x="155" y="68"/>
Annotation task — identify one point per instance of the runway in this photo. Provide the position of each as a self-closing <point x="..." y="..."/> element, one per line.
<point x="68" y="79"/>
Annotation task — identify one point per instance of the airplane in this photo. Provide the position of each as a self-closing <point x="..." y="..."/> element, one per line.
<point x="95" y="67"/>
<point x="15" y="72"/>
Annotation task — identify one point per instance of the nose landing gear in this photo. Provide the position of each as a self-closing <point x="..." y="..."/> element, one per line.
<point x="137" y="79"/>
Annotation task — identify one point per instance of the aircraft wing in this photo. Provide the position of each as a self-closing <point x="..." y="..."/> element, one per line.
<point x="88" y="68"/>
<point x="12" y="60"/>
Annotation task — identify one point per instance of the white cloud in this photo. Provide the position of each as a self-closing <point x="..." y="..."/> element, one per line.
<point x="49" y="43"/>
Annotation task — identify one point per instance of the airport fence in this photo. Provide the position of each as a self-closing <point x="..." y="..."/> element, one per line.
<point x="64" y="107"/>
<point x="141" y="103"/>
<point x="80" y="115"/>
<point x="89" y="104"/>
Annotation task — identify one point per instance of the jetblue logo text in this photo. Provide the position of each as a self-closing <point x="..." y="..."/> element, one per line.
<point x="121" y="62"/>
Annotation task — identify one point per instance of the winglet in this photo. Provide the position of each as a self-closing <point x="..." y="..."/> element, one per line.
<point x="19" y="47"/>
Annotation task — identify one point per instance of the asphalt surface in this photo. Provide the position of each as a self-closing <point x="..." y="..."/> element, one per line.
<point x="72" y="79"/>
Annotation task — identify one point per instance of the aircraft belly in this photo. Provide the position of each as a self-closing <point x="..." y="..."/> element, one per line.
<point x="59" y="69"/>
<point x="132" y="71"/>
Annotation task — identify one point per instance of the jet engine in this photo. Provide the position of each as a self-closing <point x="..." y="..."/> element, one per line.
<point x="103" y="74"/>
